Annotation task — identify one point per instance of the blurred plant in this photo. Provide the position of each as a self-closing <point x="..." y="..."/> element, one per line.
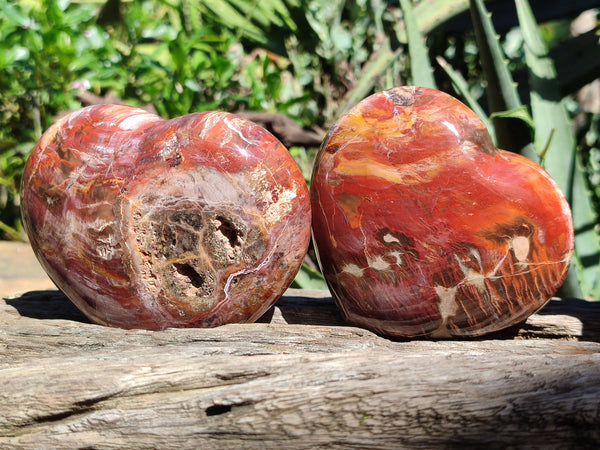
<point x="534" y="119"/>
<point x="36" y="51"/>
<point x="310" y="60"/>
<point x="11" y="167"/>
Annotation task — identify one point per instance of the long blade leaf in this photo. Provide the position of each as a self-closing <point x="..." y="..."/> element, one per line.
<point x="501" y="90"/>
<point x="553" y="129"/>
<point x="420" y="66"/>
<point x="429" y="14"/>
<point x="372" y="69"/>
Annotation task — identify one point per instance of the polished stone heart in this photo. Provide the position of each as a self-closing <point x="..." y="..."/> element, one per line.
<point x="142" y="222"/>
<point x="423" y="227"/>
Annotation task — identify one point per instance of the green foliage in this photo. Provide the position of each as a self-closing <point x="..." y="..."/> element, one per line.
<point x="555" y="135"/>
<point x="310" y="60"/>
<point x="37" y="49"/>
<point x="551" y="139"/>
<point x="502" y="94"/>
<point x="11" y="168"/>
<point x="309" y="278"/>
<point x="420" y="67"/>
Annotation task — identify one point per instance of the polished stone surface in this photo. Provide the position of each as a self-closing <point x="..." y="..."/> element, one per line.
<point x="423" y="227"/>
<point x="200" y="220"/>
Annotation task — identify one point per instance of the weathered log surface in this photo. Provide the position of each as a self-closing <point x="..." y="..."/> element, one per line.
<point x="300" y="378"/>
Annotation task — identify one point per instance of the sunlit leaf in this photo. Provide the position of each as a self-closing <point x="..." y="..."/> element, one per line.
<point x="308" y="278"/>
<point x="420" y="66"/>
<point x="501" y="90"/>
<point x="561" y="159"/>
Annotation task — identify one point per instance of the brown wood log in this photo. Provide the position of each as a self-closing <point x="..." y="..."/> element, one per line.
<point x="300" y="378"/>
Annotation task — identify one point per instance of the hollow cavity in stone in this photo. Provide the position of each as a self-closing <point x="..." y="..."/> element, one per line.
<point x="188" y="249"/>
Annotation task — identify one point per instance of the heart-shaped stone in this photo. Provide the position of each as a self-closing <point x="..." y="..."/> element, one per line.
<point x="423" y="227"/>
<point x="142" y="222"/>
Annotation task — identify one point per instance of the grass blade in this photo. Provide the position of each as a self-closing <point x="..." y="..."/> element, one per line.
<point x="309" y="278"/>
<point x="432" y="13"/>
<point x="561" y="160"/>
<point x="420" y="66"/>
<point x="228" y="14"/>
<point x="501" y="90"/>
<point x="373" y="68"/>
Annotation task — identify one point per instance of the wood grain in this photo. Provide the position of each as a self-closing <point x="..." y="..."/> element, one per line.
<point x="300" y="378"/>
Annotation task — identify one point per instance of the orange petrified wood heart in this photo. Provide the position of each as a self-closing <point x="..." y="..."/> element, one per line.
<point x="424" y="228"/>
<point x="201" y="220"/>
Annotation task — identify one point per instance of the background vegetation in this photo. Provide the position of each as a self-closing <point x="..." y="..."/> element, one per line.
<point x="522" y="71"/>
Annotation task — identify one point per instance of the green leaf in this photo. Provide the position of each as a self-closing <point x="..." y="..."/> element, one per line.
<point x="378" y="63"/>
<point x="229" y="15"/>
<point x="191" y="14"/>
<point x="267" y="12"/>
<point x="501" y="89"/>
<point x="308" y="278"/>
<point x="13" y="54"/>
<point x="432" y="13"/>
<point x="16" y="16"/>
<point x="192" y="85"/>
<point x="587" y="237"/>
<point x="62" y="4"/>
<point x="554" y="131"/>
<point x="77" y="16"/>
<point x="178" y="49"/>
<point x="520" y="113"/>
<point x="420" y="66"/>
<point x="282" y="9"/>
<point x="341" y="38"/>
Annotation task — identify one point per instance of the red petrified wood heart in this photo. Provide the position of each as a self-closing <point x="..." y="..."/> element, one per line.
<point x="201" y="220"/>
<point x="423" y="227"/>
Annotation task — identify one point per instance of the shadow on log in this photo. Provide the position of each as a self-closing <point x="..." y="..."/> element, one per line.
<point x="299" y="378"/>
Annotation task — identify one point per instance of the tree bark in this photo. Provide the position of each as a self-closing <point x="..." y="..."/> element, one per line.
<point x="300" y="378"/>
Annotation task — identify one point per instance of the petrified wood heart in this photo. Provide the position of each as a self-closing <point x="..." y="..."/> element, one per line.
<point x="423" y="227"/>
<point x="149" y="223"/>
